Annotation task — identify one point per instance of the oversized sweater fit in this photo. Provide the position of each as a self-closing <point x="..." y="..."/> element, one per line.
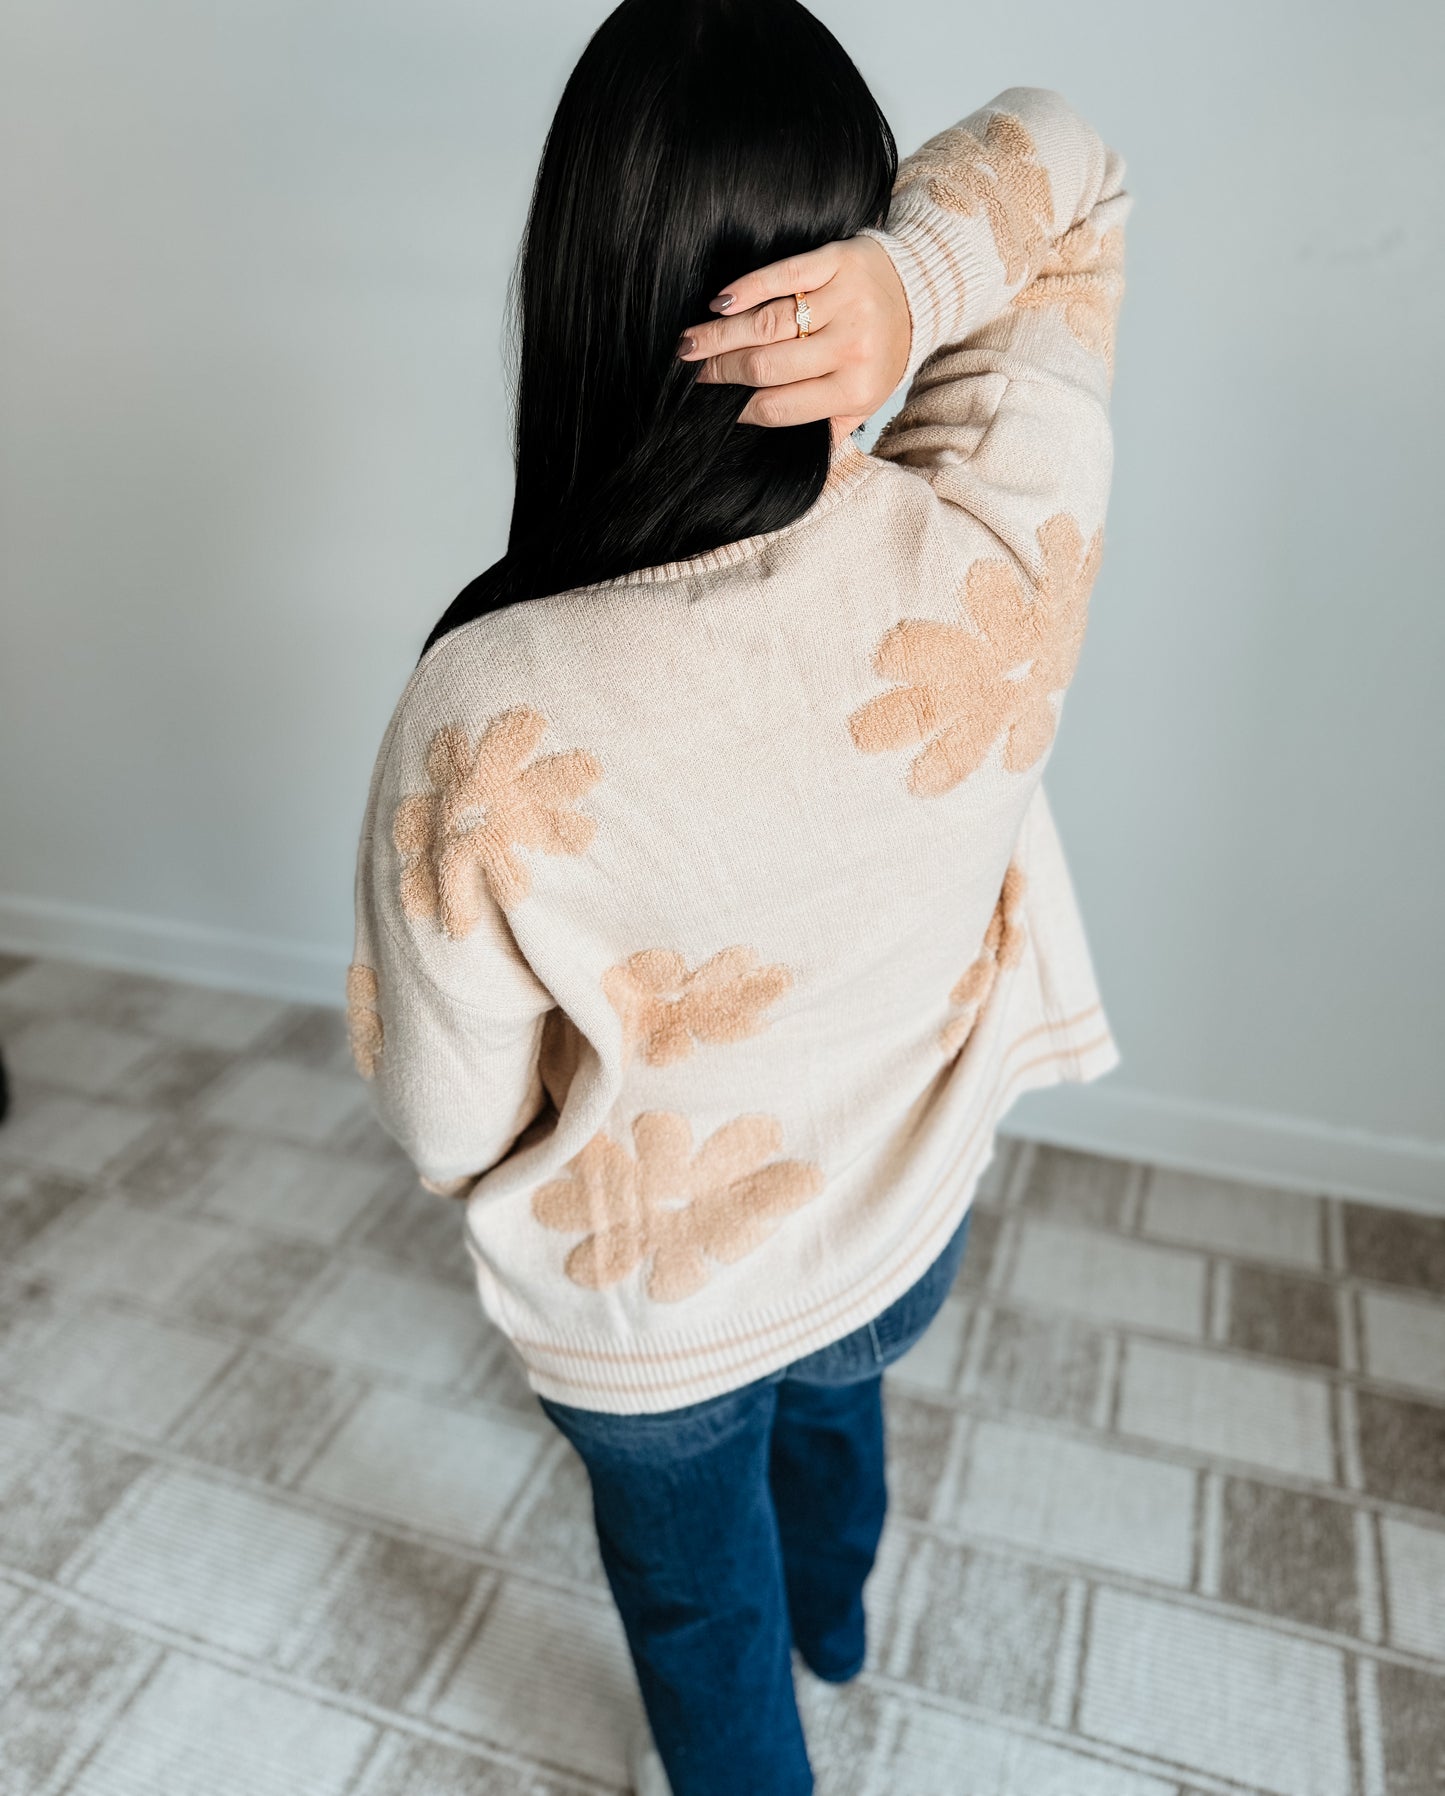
<point x="710" y="917"/>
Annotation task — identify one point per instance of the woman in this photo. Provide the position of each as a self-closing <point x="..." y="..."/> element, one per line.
<point x="709" y="910"/>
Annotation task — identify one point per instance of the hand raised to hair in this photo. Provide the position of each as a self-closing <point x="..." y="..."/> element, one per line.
<point x="852" y="358"/>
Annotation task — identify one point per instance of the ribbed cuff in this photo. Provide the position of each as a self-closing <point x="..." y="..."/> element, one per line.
<point x="949" y="272"/>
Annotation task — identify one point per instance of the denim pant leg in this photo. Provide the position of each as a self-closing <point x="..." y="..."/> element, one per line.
<point x="689" y="1542"/>
<point x="830" y="1495"/>
<point x="828" y="1470"/>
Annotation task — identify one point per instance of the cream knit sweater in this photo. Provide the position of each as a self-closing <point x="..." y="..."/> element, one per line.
<point x="709" y="918"/>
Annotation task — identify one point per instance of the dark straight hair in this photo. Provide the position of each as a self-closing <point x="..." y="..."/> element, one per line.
<point x="694" y="141"/>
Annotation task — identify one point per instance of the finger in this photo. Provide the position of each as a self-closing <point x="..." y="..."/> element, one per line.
<point x="772" y="364"/>
<point x="794" y="274"/>
<point x="774" y="322"/>
<point x="797" y="404"/>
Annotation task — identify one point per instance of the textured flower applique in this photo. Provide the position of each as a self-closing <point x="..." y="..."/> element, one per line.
<point x="486" y="802"/>
<point x="679" y="1212"/>
<point x="363" y="1019"/>
<point x="1003" y="943"/>
<point x="666" y="1010"/>
<point x="960" y="686"/>
<point x="1084" y="275"/>
<point x="998" y="175"/>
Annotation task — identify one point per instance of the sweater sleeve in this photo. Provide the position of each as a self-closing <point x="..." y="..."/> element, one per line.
<point x="446" y="1028"/>
<point x="1007" y="232"/>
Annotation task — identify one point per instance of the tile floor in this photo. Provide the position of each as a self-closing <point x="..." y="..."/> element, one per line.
<point x="277" y="1512"/>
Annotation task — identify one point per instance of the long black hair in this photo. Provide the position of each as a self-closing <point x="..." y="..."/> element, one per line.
<point x="695" y="140"/>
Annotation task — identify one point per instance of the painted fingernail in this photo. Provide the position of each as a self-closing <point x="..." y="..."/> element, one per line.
<point x="721" y="303"/>
<point x="686" y="345"/>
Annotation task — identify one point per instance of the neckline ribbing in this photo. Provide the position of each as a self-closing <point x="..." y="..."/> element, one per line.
<point x="846" y="467"/>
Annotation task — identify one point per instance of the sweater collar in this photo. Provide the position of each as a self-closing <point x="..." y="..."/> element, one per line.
<point x="847" y="465"/>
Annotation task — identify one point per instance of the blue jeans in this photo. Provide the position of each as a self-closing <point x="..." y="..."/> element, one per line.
<point x="737" y="1528"/>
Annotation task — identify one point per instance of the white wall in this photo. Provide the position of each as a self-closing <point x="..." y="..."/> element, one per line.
<point x="254" y="438"/>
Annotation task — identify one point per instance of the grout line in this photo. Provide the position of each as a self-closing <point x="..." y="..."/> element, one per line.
<point x="1351" y="1470"/>
<point x="1210" y="1534"/>
<point x="1066" y="1694"/>
<point x="1372" y="1749"/>
<point x="261" y="1671"/>
<point x="1106" y="1397"/>
<point x="1131" y="1219"/>
<point x="1348" y="1320"/>
<point x="1369" y="1586"/>
<point x="1220" y="1301"/>
<point x="949" y="1486"/>
<point x="1336" y="1256"/>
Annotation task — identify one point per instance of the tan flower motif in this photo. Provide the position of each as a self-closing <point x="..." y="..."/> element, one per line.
<point x="1003" y="943"/>
<point x="997" y="174"/>
<point x="960" y="686"/>
<point x="674" y="1209"/>
<point x="485" y="803"/>
<point x="1085" y="276"/>
<point x="666" y="1009"/>
<point x="363" y="1020"/>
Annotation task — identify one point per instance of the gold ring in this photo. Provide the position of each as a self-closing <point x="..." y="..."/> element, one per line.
<point x="801" y="314"/>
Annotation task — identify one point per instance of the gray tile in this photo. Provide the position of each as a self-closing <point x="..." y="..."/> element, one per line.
<point x="1250" y="1221"/>
<point x="29" y="1309"/>
<point x="1043" y="1365"/>
<point x="67" y="1675"/>
<point x="1289" y="1554"/>
<point x="1108" y="1278"/>
<point x="269" y="1414"/>
<point x="292" y="1103"/>
<point x="979" y="1250"/>
<point x="552" y="1529"/>
<point x="1217" y="1695"/>
<point x="547" y="1675"/>
<point x="976" y="1627"/>
<point x="252" y="1284"/>
<point x="938" y="1754"/>
<point x="1396" y="1247"/>
<point x="409" y="1767"/>
<point x="842" y="1725"/>
<point x="312" y="1035"/>
<point x="127" y="1371"/>
<point x="428" y="1465"/>
<point x="1227" y="1408"/>
<point x="1412" y="1721"/>
<point x="933" y="1364"/>
<point x="195" y="1014"/>
<point x="227" y="1566"/>
<point x="121" y="1249"/>
<point x="74" y="1053"/>
<point x="172" y="1076"/>
<point x="1414" y="1566"/>
<point x="1077" y="1188"/>
<point x="1403" y="1339"/>
<point x="29" y="1202"/>
<point x="1283" y="1315"/>
<point x="421" y="1231"/>
<point x="501" y="1380"/>
<point x="201" y="1730"/>
<point x="384" y="1618"/>
<point x="56" y="1505"/>
<point x="918" y="1435"/>
<point x="1402" y="1447"/>
<point x="79" y="1136"/>
<point x="170" y="1171"/>
<point x="1078" y="1499"/>
<point x="60" y="986"/>
<point x="394" y="1322"/>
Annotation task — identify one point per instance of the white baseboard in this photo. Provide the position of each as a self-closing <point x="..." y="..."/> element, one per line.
<point x="1106" y="1118"/>
<point x="225" y="958"/>
<point x="1251" y="1146"/>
